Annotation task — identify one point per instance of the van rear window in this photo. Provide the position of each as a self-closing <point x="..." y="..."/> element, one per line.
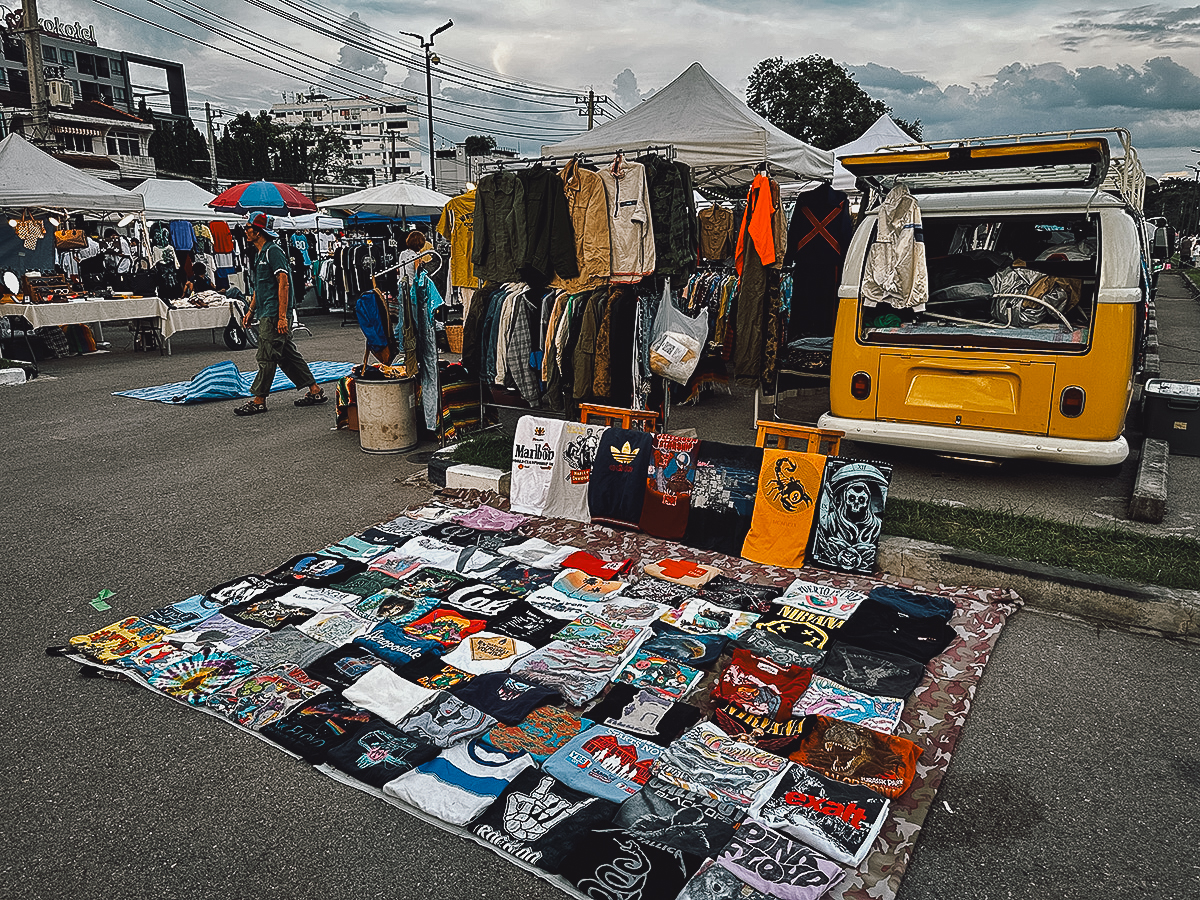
<point x="1000" y="282"/>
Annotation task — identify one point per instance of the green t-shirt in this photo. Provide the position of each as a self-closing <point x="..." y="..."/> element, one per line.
<point x="267" y="265"/>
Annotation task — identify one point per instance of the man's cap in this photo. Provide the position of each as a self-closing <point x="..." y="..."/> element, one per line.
<point x="262" y="222"/>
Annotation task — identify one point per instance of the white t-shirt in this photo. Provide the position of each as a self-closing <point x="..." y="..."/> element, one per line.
<point x="386" y="694"/>
<point x="536" y="444"/>
<point x="486" y="651"/>
<point x="459" y="784"/>
<point x="567" y="497"/>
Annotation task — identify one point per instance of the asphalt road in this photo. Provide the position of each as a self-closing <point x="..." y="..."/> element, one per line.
<point x="1077" y="774"/>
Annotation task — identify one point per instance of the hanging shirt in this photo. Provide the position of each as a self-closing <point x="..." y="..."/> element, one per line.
<point x="723" y="496"/>
<point x="669" y="487"/>
<point x="758" y="226"/>
<point x="716" y="233"/>
<point x="631" y="226"/>
<point x="895" y="272"/>
<point x="618" y="483"/>
<point x="183" y="237"/>
<point x="457" y="225"/>
<point x="588" y="206"/>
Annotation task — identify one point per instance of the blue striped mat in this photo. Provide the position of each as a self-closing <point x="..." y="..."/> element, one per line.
<point x="223" y="381"/>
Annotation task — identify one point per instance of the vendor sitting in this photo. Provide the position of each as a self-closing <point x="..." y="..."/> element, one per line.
<point x="200" y="281"/>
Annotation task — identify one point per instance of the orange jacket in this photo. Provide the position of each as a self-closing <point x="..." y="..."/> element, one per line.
<point x="758" y="223"/>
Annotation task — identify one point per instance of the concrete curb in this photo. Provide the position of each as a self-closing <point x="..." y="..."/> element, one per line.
<point x="1149" y="500"/>
<point x="1110" y="601"/>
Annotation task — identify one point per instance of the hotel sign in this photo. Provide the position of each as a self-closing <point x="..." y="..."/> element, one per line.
<point x="55" y="27"/>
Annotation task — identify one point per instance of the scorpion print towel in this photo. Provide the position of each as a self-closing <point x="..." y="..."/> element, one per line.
<point x="788" y="484"/>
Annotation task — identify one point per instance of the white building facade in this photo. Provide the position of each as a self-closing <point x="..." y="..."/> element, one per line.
<point x="383" y="134"/>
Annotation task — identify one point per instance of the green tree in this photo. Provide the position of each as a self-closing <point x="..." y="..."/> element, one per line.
<point x="479" y="144"/>
<point x="249" y="148"/>
<point x="816" y="100"/>
<point x="1177" y="200"/>
<point x="177" y="145"/>
<point x="256" y="146"/>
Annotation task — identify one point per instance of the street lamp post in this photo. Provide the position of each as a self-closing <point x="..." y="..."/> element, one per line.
<point x="430" y="59"/>
<point x="1195" y="200"/>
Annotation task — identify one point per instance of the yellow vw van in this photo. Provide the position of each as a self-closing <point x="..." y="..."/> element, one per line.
<point x="993" y="299"/>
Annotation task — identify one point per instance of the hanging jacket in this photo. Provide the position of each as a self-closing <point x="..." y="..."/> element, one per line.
<point x="671" y="215"/>
<point x="895" y="271"/>
<point x="500" y="229"/>
<point x="758" y="224"/>
<point x="630" y="221"/>
<point x="550" y="239"/>
<point x="588" y="207"/>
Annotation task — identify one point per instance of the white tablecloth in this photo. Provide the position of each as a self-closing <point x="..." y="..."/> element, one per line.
<point x="192" y="318"/>
<point x="184" y="318"/>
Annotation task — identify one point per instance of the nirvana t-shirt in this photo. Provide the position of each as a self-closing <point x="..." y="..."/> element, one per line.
<point x="111" y="643"/>
<point x="659" y="673"/>
<point x="822" y="599"/>
<point x="314" y="727"/>
<point x="378" y="753"/>
<point x="735" y="594"/>
<point x="525" y="622"/>
<point x="239" y="590"/>
<point x="828" y="698"/>
<point x="539" y="820"/>
<point x="460" y="783"/>
<point x="265" y="697"/>
<point x="316" y="569"/>
<point x="668" y="814"/>
<point x="507" y="698"/>
<point x="536" y="445"/>
<point x="645" y="714"/>
<point x="850" y="515"/>
<point x="431" y="671"/>
<point x="612" y="864"/>
<point x="288" y="646"/>
<point x="669" y="486"/>
<point x="618" y="483"/>
<point x="342" y="666"/>
<point x="386" y="694"/>
<point x="722" y="496"/>
<point x="762" y="731"/>
<point x="780" y="649"/>
<point x="871" y="671"/>
<point x="542" y="732"/>
<point x="198" y="676"/>
<point x="668" y="593"/>
<point x="853" y="754"/>
<point x="777" y="865"/>
<point x="388" y="641"/>
<point x="876" y="626"/>
<point x="697" y="650"/>
<point x="760" y="686"/>
<point x="840" y="820"/>
<point x="487" y="651"/>
<point x="445" y="720"/>
<point x="185" y="613"/>
<point x="799" y="626"/>
<point x="708" y="761"/>
<point x="788" y="484"/>
<point x="567" y="496"/>
<point x="604" y="762"/>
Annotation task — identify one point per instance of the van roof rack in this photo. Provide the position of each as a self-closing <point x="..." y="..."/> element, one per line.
<point x="1075" y="158"/>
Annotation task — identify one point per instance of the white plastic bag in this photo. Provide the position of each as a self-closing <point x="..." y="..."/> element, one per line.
<point x="678" y="340"/>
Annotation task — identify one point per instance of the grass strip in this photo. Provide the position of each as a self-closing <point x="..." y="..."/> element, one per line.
<point x="492" y="449"/>
<point x="1131" y="556"/>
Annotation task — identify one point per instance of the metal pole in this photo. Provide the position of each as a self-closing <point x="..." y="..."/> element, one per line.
<point x="591" y="109"/>
<point x="392" y="164"/>
<point x="39" y="104"/>
<point x="429" y="106"/>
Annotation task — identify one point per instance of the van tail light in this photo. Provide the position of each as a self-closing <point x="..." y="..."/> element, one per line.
<point x="860" y="386"/>
<point x="1071" y="402"/>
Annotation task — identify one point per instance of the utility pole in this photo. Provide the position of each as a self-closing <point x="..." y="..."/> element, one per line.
<point x="392" y="164"/>
<point x="39" y="103"/>
<point x="589" y="106"/>
<point x="430" y="59"/>
<point x="209" y="115"/>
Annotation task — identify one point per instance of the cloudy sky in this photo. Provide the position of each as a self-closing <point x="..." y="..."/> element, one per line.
<point x="964" y="68"/>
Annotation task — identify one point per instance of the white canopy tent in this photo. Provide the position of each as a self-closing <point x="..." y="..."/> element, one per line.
<point x="308" y="222"/>
<point x="884" y="133"/>
<point x="394" y="199"/>
<point x="33" y="179"/>
<point x="168" y="198"/>
<point x="714" y="132"/>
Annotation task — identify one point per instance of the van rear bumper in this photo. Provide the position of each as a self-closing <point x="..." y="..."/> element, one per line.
<point x="1000" y="444"/>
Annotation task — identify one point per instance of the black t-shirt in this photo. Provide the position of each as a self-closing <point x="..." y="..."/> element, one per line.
<point x="364" y="584"/>
<point x="671" y="815"/>
<point x="505" y="697"/>
<point x="611" y="863"/>
<point x="521" y="580"/>
<point x="874" y="672"/>
<point x="266" y="612"/>
<point x="465" y="536"/>
<point x="481" y="600"/>
<point x="644" y="713"/>
<point x="316" y="569"/>
<point x="617" y="487"/>
<point x="743" y="595"/>
<point x="539" y="820"/>
<point x="342" y="666"/>
<point x="876" y="626"/>
<point x="248" y="587"/>
<point x="700" y="651"/>
<point x="778" y="649"/>
<point x="429" y="670"/>
<point x="914" y="604"/>
<point x="317" y="726"/>
<point x="723" y="496"/>
<point x="379" y="752"/>
<point x="525" y="622"/>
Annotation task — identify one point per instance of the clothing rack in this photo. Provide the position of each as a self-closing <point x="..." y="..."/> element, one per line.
<point x="665" y="150"/>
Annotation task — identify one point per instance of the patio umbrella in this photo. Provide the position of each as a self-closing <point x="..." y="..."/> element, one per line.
<point x="395" y="199"/>
<point x="272" y="197"/>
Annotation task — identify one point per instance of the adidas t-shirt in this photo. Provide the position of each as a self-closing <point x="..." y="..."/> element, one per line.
<point x="618" y="483"/>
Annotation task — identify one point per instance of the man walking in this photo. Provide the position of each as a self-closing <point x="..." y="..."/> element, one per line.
<point x="271" y="283"/>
